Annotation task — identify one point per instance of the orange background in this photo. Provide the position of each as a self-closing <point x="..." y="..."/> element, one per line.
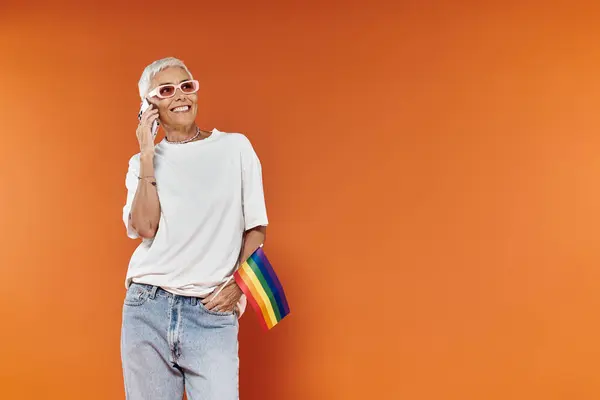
<point x="431" y="173"/>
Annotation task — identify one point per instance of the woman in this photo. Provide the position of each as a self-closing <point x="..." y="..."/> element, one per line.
<point x="196" y="200"/>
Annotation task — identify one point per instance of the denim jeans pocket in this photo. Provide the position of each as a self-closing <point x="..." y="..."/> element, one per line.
<point x="136" y="295"/>
<point x="221" y="313"/>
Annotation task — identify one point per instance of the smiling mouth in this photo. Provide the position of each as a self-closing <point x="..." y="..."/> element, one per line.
<point x="181" y="109"/>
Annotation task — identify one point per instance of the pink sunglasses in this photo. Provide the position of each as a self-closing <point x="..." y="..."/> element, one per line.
<point x="166" y="91"/>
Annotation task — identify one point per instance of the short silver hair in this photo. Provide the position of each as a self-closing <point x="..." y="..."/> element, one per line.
<point x="154" y="68"/>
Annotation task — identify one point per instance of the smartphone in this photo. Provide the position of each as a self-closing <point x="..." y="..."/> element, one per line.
<point x="145" y="105"/>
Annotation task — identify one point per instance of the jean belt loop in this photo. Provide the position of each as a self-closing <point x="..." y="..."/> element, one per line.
<point x="153" y="292"/>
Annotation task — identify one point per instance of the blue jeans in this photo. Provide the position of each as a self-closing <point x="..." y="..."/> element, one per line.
<point x="170" y="343"/>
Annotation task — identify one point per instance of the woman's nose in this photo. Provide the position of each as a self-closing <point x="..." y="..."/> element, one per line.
<point x="179" y="93"/>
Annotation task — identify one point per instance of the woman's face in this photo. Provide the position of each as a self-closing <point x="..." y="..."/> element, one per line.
<point x="179" y="110"/>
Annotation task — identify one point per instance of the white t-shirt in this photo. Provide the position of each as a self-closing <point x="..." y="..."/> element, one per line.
<point x="210" y="193"/>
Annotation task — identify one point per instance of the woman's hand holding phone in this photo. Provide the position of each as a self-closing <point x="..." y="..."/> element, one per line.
<point x="144" y="131"/>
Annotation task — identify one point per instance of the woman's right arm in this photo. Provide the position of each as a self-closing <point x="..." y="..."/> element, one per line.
<point x="145" y="208"/>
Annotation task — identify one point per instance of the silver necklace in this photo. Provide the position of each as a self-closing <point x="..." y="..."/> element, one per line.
<point x="186" y="140"/>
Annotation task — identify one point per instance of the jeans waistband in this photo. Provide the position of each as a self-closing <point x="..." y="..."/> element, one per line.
<point x="154" y="291"/>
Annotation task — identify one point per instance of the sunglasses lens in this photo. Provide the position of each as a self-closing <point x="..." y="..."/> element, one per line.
<point x="166" y="91"/>
<point x="189" y="87"/>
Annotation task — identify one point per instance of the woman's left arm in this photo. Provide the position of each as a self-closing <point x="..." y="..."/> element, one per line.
<point x="229" y="296"/>
<point x="253" y="238"/>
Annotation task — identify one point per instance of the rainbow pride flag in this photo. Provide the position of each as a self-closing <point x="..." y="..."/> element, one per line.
<point x="260" y="284"/>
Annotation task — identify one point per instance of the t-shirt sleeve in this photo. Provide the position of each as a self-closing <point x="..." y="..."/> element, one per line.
<point x="253" y="198"/>
<point x="131" y="182"/>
